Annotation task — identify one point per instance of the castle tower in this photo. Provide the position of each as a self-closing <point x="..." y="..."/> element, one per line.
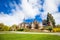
<point x="36" y="25"/>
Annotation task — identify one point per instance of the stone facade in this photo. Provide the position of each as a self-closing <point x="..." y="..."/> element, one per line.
<point x="33" y="25"/>
<point x="36" y="25"/>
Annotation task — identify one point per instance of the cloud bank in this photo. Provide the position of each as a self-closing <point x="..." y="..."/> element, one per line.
<point x="51" y="6"/>
<point x="29" y="9"/>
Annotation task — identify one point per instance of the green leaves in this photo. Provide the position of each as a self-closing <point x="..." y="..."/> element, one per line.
<point x="50" y="20"/>
<point x="3" y="27"/>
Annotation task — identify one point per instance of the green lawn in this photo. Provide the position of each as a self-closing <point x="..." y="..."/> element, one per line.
<point x="28" y="37"/>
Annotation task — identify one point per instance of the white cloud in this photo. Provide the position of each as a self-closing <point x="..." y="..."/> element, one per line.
<point x="9" y="20"/>
<point x="51" y="7"/>
<point x="29" y="10"/>
<point x="57" y="17"/>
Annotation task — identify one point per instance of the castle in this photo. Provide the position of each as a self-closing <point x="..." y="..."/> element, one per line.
<point x="34" y="25"/>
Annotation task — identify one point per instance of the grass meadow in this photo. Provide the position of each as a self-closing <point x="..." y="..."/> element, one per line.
<point x="28" y="37"/>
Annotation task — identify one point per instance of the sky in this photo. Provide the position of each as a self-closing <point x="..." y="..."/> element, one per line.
<point x="18" y="11"/>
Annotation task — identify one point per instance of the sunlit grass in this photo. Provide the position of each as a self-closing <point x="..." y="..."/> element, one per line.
<point x="28" y="37"/>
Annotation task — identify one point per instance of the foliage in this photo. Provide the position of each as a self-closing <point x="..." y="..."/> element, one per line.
<point x="50" y="28"/>
<point x="26" y="30"/>
<point x="13" y="27"/>
<point x="50" y="19"/>
<point x="20" y="30"/>
<point x="1" y="26"/>
<point x="58" y="26"/>
<point x="56" y="29"/>
<point x="4" y="27"/>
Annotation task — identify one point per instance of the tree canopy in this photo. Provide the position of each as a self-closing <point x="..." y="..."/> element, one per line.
<point x="50" y="19"/>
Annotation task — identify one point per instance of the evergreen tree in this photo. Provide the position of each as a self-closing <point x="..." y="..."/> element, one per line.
<point x="50" y="19"/>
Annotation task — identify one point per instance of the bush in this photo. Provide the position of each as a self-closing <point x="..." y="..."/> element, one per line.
<point x="56" y="29"/>
<point x="50" y="28"/>
<point x="26" y="30"/>
<point x="20" y="30"/>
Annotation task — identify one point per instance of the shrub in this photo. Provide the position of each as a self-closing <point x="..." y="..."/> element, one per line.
<point x="56" y="29"/>
<point x="20" y="30"/>
<point x="50" y="28"/>
<point x="26" y="30"/>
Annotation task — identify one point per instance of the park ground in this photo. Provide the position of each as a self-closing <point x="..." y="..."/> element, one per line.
<point x="13" y="35"/>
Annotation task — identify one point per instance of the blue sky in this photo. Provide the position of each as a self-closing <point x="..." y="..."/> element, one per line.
<point x="15" y="11"/>
<point x="59" y="8"/>
<point x="5" y="5"/>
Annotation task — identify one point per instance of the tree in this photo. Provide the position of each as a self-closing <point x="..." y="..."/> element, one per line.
<point x="53" y="22"/>
<point x="1" y="26"/>
<point x="50" y="29"/>
<point x="13" y="27"/>
<point x="58" y="26"/>
<point x="4" y="27"/>
<point x="50" y="20"/>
